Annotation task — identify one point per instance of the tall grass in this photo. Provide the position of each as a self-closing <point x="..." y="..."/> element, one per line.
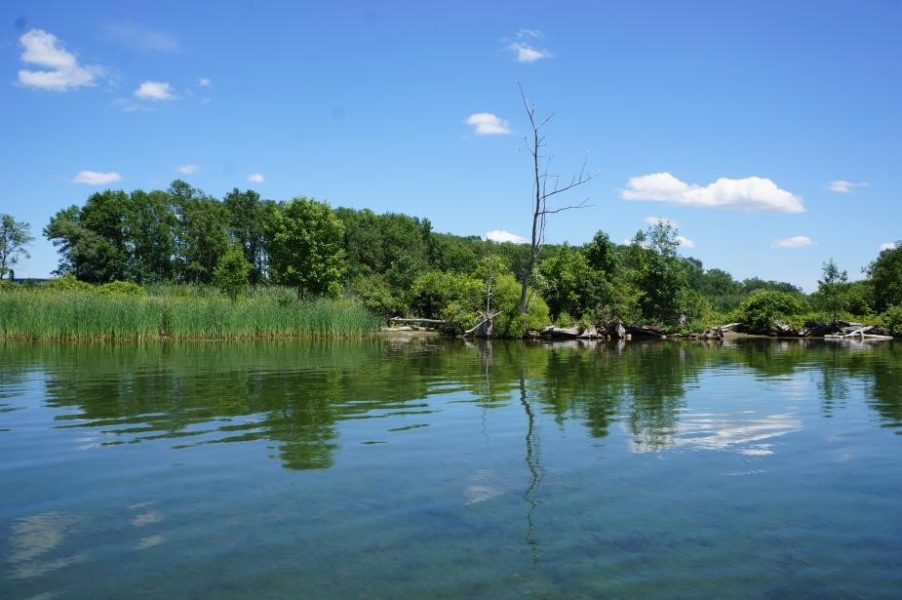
<point x="177" y="313"/>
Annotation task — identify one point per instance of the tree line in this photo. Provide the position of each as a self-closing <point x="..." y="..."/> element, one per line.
<point x="398" y="266"/>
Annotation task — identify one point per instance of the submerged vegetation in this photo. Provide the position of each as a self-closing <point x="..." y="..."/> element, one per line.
<point x="178" y="263"/>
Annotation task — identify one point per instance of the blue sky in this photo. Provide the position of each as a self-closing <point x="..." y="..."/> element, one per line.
<point x="768" y="132"/>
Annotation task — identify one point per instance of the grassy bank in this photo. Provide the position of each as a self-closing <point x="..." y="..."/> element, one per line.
<point x="176" y="313"/>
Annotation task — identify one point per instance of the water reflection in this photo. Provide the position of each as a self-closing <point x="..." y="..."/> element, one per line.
<point x="36" y="540"/>
<point x="295" y="396"/>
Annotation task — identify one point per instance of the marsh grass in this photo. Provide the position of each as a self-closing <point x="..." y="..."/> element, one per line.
<point x="176" y="313"/>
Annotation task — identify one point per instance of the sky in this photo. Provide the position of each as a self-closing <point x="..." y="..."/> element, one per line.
<point x="769" y="133"/>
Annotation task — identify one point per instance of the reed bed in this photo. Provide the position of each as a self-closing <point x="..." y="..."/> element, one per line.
<point x="176" y="313"/>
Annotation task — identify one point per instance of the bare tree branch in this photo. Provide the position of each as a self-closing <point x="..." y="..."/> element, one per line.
<point x="542" y="177"/>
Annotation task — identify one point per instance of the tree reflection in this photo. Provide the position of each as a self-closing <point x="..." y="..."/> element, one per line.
<point x="296" y="395"/>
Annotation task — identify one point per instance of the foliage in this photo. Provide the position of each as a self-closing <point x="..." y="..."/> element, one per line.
<point x="231" y="274"/>
<point x="377" y="296"/>
<point x="892" y="320"/>
<point x="570" y="283"/>
<point x="15" y="236"/>
<point x="247" y="214"/>
<point x="885" y="278"/>
<point x="305" y="248"/>
<point x="762" y="308"/>
<point x="830" y="285"/>
<point x="661" y="275"/>
<point x="67" y="282"/>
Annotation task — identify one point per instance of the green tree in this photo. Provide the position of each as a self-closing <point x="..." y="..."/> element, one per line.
<point x="306" y="247"/>
<point x="831" y="287"/>
<point x="761" y="309"/>
<point x="202" y="235"/>
<point x="93" y="240"/>
<point x="661" y="275"/>
<point x="14" y="239"/>
<point x="885" y="278"/>
<point x="570" y="284"/>
<point x="151" y="225"/>
<point x="247" y="228"/>
<point x="231" y="274"/>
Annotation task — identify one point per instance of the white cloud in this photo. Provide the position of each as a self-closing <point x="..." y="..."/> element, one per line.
<point x="188" y="169"/>
<point x="889" y="246"/>
<point x="155" y="90"/>
<point x="529" y="33"/>
<point x="96" y="178"/>
<point x="64" y="73"/>
<point x="499" y="235"/>
<point x="139" y="38"/>
<point x="842" y="186"/>
<point x="528" y="53"/>
<point x="256" y="178"/>
<point x="685" y="242"/>
<point x="205" y="82"/>
<point x="799" y="241"/>
<point x="488" y="124"/>
<point x="749" y="194"/>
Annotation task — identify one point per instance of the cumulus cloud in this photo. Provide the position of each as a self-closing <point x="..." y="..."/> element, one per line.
<point x="842" y="186"/>
<point x="525" y="51"/>
<point x="488" y="124"/>
<point x="188" y="169"/>
<point x="528" y="53"/>
<point x="499" y="235"/>
<point x="256" y="178"/>
<point x="63" y="72"/>
<point x="158" y="91"/>
<point x="749" y="194"/>
<point x="137" y="37"/>
<point x="96" y="177"/>
<point x="798" y="241"/>
<point x="889" y="246"/>
<point x="685" y="242"/>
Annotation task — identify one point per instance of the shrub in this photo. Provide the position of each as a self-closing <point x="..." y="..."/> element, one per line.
<point x="892" y="319"/>
<point x="762" y="308"/>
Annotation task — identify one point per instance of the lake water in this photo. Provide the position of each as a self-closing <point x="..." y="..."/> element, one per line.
<point x="438" y="468"/>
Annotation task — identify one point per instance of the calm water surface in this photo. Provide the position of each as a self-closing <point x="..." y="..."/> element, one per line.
<point x="404" y="469"/>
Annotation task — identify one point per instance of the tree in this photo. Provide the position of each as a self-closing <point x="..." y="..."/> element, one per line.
<point x="885" y="277"/>
<point x="151" y="226"/>
<point x="93" y="240"/>
<point x="231" y="274"/>
<point x="545" y="187"/>
<point x="306" y="252"/>
<point x="661" y="276"/>
<point x="14" y="238"/>
<point x="247" y="227"/>
<point x="831" y="287"/>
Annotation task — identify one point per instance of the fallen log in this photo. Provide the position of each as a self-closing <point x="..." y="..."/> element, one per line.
<point x="481" y="323"/>
<point x="416" y="320"/>
<point x="646" y="331"/>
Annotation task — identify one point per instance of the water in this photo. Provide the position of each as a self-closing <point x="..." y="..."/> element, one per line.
<point x="412" y="468"/>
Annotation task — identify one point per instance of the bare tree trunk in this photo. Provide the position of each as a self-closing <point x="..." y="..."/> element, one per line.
<point x="542" y="192"/>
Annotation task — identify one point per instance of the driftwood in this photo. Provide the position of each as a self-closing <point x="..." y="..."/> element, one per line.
<point x="616" y="330"/>
<point x="415" y="320"/>
<point x="481" y="323"/>
<point x="646" y="331"/>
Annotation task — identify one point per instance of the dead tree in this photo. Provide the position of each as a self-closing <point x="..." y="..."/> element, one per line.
<point x="545" y="186"/>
